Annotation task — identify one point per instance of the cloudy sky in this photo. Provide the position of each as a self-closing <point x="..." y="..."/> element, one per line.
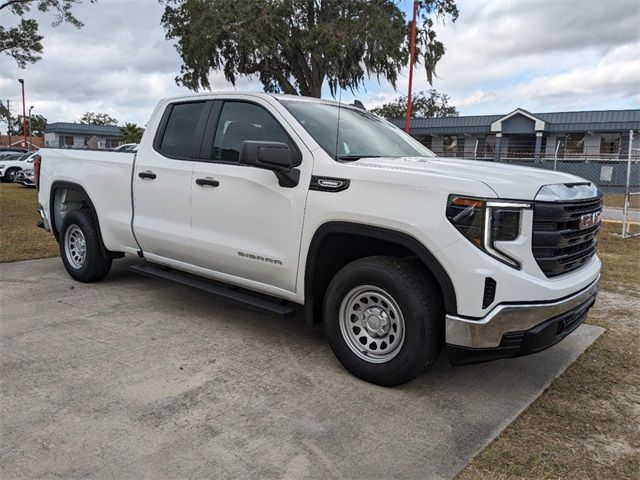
<point x="542" y="55"/>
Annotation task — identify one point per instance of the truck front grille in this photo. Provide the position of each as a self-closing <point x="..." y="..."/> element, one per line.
<point x="559" y="244"/>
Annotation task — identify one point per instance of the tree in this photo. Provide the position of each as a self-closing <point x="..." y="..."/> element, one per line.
<point x="92" y="118"/>
<point x="130" y="133"/>
<point x="423" y="105"/>
<point x="38" y="124"/>
<point x="23" y="42"/>
<point x="5" y="116"/>
<point x="4" y="111"/>
<point x="294" y="46"/>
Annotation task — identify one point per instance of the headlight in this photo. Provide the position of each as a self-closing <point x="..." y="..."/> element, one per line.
<point x="1" y="166"/>
<point x="486" y="221"/>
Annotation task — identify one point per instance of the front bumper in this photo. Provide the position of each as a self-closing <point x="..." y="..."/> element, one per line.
<point x="511" y="330"/>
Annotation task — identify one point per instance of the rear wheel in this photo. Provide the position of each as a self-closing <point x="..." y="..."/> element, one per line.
<point x="80" y="248"/>
<point x="384" y="319"/>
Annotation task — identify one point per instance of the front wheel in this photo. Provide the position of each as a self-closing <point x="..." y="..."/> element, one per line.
<point x="384" y="319"/>
<point x="10" y="175"/>
<point x="80" y="248"/>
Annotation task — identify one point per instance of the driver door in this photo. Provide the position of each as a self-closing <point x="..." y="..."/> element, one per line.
<point x="246" y="228"/>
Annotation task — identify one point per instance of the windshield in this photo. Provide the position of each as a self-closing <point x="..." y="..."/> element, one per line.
<point x="361" y="134"/>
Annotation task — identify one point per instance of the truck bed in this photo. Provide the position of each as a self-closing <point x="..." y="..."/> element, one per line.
<point x="106" y="179"/>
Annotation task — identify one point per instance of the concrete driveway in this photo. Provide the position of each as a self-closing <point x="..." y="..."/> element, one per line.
<point x="139" y="378"/>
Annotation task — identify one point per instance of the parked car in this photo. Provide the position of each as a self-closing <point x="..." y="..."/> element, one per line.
<point x="293" y="199"/>
<point x="25" y="177"/>
<point x="127" y="147"/>
<point x="11" y="164"/>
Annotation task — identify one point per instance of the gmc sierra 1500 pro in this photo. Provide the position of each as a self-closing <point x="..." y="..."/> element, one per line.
<point x="274" y="200"/>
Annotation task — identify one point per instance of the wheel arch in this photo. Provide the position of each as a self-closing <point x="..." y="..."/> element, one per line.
<point x="85" y="200"/>
<point x="318" y="273"/>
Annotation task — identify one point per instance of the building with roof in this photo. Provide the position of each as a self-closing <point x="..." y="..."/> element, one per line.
<point x="522" y="135"/>
<point x="591" y="144"/>
<point x="79" y="135"/>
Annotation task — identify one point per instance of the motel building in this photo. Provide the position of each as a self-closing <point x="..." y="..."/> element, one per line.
<point x="591" y="144"/>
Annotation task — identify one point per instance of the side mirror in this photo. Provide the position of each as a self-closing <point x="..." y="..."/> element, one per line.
<point x="274" y="156"/>
<point x="268" y="155"/>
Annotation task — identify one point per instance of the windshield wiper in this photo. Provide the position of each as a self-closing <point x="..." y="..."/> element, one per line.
<point x="353" y="158"/>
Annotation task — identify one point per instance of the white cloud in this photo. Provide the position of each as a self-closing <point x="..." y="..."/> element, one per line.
<point x="475" y="98"/>
<point x="615" y="77"/>
<point x="119" y="63"/>
<point x="541" y="54"/>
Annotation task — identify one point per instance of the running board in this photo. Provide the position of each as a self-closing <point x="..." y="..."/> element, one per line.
<point x="226" y="292"/>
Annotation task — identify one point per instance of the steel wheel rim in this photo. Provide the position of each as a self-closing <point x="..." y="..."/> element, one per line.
<point x="372" y="324"/>
<point x="75" y="246"/>
<point x="11" y="176"/>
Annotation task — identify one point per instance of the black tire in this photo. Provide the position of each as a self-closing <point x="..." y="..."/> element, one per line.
<point x="421" y="308"/>
<point x="94" y="265"/>
<point x="10" y="175"/>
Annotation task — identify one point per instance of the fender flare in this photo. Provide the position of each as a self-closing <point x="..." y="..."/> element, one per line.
<point x="380" y="233"/>
<point x="57" y="185"/>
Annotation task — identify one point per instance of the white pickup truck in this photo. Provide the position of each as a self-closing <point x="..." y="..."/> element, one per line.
<point x="274" y="200"/>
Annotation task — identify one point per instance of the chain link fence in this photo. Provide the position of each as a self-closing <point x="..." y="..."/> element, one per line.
<point x="613" y="164"/>
<point x="631" y="204"/>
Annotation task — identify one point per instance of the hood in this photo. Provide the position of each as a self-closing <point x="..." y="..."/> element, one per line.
<point x="507" y="181"/>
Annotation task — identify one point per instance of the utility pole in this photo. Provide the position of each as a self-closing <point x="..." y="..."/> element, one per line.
<point x="24" y="114"/>
<point x="30" y="138"/>
<point x="407" y="123"/>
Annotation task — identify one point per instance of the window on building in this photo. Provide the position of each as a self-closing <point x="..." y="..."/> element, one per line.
<point x="240" y="121"/>
<point x="450" y="144"/>
<point x="521" y="146"/>
<point x="65" y="141"/>
<point x="86" y="141"/>
<point x="489" y="145"/>
<point x="574" y="143"/>
<point x="610" y="143"/>
<point x="112" y="142"/>
<point x="425" y="140"/>
<point x="179" y="139"/>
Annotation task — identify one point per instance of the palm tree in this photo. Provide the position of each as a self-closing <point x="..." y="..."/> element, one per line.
<point x="130" y="133"/>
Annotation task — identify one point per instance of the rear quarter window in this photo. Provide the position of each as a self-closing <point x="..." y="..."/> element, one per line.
<point x="181" y="137"/>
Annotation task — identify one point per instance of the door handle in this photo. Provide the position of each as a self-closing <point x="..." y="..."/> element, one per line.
<point x="147" y="174"/>
<point x="207" y="181"/>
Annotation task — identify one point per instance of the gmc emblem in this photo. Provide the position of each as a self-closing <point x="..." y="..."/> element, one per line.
<point x="589" y="220"/>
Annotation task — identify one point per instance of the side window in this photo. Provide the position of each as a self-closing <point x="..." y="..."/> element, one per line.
<point x="180" y="132"/>
<point x="241" y="121"/>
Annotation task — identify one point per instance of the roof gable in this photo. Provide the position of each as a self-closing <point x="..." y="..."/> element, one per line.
<point x="538" y="124"/>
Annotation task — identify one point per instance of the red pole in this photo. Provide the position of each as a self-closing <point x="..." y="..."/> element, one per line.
<point x="24" y="114"/>
<point x="407" y="122"/>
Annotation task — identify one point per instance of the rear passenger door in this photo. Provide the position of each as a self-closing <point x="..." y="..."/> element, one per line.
<point x="163" y="179"/>
<point x="246" y="228"/>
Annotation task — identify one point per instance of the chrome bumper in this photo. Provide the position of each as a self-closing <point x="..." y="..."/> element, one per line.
<point x="487" y="332"/>
<point x="45" y="221"/>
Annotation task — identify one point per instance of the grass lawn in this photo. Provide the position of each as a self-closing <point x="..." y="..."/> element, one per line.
<point x="20" y="239"/>
<point x="614" y="200"/>
<point x="586" y="425"/>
